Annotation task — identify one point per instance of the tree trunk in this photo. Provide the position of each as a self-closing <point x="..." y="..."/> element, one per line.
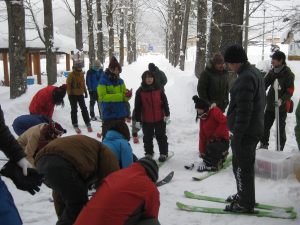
<point x="178" y="31"/>
<point x="215" y="29"/>
<point x="17" y="47"/>
<point x="110" y="26"/>
<point x="78" y="25"/>
<point x="134" y="53"/>
<point x="232" y="32"/>
<point x="121" y="41"/>
<point x="100" y="51"/>
<point x="170" y="31"/>
<point x="51" y="67"/>
<point x="185" y="33"/>
<point x="89" y="9"/>
<point x="167" y="42"/>
<point x="201" y="36"/>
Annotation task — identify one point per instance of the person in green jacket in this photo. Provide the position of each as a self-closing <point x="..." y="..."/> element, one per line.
<point x="285" y="77"/>
<point x="213" y="83"/>
<point x="297" y="127"/>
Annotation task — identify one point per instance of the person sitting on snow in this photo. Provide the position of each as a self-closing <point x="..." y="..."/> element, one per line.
<point x="24" y="122"/>
<point x="44" y="100"/>
<point x="70" y="165"/>
<point x="152" y="109"/>
<point x="214" y="136"/>
<point x="128" y="196"/>
<point x="117" y="139"/>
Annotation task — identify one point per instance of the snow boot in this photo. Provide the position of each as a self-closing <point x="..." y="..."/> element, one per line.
<point x="148" y="155"/>
<point x="233" y="198"/>
<point x="263" y="146"/>
<point x="236" y="207"/>
<point x="77" y="130"/>
<point x="162" y="158"/>
<point x="89" y="129"/>
<point x="94" y="118"/>
<point x="99" y="135"/>
<point x="136" y="140"/>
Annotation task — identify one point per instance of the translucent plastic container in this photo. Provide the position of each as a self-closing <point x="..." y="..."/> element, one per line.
<point x="275" y="165"/>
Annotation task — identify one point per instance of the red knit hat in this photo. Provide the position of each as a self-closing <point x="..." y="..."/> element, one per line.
<point x="113" y="63"/>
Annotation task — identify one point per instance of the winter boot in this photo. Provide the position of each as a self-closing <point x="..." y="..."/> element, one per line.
<point x="94" y="118"/>
<point x="148" y="155"/>
<point x="190" y="166"/>
<point x="136" y="140"/>
<point x="233" y="198"/>
<point x="99" y="135"/>
<point x="263" y="146"/>
<point x="89" y="129"/>
<point x="77" y="130"/>
<point x="203" y="167"/>
<point x="162" y="158"/>
<point x="236" y="207"/>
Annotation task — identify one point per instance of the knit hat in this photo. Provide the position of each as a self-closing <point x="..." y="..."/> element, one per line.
<point x="218" y="59"/>
<point x="279" y="56"/>
<point x="121" y="127"/>
<point x="151" y="167"/>
<point x="151" y="67"/>
<point x="235" y="54"/>
<point x="113" y="63"/>
<point x="201" y="103"/>
<point x="58" y="94"/>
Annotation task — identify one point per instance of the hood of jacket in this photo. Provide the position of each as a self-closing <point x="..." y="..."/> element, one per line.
<point x="112" y="135"/>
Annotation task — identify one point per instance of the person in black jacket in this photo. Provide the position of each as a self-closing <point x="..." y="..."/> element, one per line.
<point x="245" y="118"/>
<point x="8" y="212"/>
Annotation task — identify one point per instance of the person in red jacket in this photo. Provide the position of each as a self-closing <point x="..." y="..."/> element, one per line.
<point x="125" y="197"/>
<point x="214" y="135"/>
<point x="44" y="100"/>
<point x="152" y="109"/>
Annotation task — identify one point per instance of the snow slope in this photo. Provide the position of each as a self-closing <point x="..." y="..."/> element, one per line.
<point x="183" y="140"/>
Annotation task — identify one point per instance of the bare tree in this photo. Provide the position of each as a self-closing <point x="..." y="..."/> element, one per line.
<point x="201" y="36"/>
<point x="177" y="30"/>
<point x="78" y="25"/>
<point x="89" y="9"/>
<point x="232" y="32"/>
<point x="51" y="66"/>
<point x="100" y="50"/>
<point x="110" y="26"/>
<point x="17" y="47"/>
<point x="122" y="24"/>
<point x="185" y="33"/>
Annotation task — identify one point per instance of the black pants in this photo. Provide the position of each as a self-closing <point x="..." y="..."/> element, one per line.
<point x="159" y="129"/>
<point x="71" y="192"/>
<point x="93" y="100"/>
<point x="243" y="168"/>
<point x="216" y="152"/>
<point x="74" y="99"/>
<point x="269" y="120"/>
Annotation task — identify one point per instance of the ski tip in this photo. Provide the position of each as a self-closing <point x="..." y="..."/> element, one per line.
<point x="197" y="179"/>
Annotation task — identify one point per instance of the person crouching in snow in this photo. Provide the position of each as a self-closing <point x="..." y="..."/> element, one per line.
<point x="117" y="139"/>
<point x="214" y="135"/>
<point x="70" y="165"/>
<point x="128" y="196"/>
<point x="152" y="109"/>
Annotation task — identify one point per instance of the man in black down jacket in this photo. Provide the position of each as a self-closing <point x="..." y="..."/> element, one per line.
<point x="246" y="122"/>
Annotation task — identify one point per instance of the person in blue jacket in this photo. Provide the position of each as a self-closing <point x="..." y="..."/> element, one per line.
<point x="93" y="77"/>
<point x="24" y="122"/>
<point x="117" y="140"/>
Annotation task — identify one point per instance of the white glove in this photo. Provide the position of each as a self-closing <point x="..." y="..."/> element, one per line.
<point x="167" y="119"/>
<point x="24" y="164"/>
<point x="138" y="125"/>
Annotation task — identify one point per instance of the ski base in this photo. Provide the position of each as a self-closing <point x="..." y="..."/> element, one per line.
<point x="166" y="180"/>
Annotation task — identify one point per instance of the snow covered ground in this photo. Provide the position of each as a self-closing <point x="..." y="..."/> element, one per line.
<point x="183" y="140"/>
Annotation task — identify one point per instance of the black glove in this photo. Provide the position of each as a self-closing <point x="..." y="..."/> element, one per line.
<point x="30" y="183"/>
<point x="85" y="94"/>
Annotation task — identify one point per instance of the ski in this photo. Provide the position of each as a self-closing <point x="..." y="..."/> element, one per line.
<point x="226" y="164"/>
<point x="166" y="180"/>
<point x="259" y="213"/>
<point x="170" y="155"/>
<point x="191" y="195"/>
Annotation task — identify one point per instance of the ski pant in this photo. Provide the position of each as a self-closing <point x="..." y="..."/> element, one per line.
<point x="93" y="101"/>
<point x="269" y="119"/>
<point x="243" y="159"/>
<point x="148" y="222"/>
<point x="70" y="192"/>
<point x="9" y="214"/>
<point x="216" y="152"/>
<point x="159" y="129"/>
<point x="74" y="99"/>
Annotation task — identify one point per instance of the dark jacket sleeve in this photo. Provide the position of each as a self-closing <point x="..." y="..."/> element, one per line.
<point x="165" y="103"/>
<point x="287" y="95"/>
<point x="269" y="79"/>
<point x="8" y="143"/>
<point x="137" y="106"/>
<point x="88" y="79"/>
<point x="202" y="86"/>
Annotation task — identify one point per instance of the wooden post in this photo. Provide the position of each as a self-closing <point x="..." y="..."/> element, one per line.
<point x="37" y="66"/>
<point x="68" y="58"/>
<point x="29" y="65"/>
<point x="5" y="67"/>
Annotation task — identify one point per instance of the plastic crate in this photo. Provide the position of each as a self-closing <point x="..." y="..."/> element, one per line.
<point x="275" y="165"/>
<point x="30" y="80"/>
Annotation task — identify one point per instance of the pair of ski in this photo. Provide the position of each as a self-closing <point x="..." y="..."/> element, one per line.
<point x="261" y="210"/>
<point x="226" y="164"/>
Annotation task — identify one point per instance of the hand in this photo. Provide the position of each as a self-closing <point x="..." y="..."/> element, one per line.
<point x="24" y="165"/>
<point x="213" y="105"/>
<point x="279" y="102"/>
<point x="128" y="93"/>
<point x="138" y="125"/>
<point x="85" y="94"/>
<point x="167" y="119"/>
